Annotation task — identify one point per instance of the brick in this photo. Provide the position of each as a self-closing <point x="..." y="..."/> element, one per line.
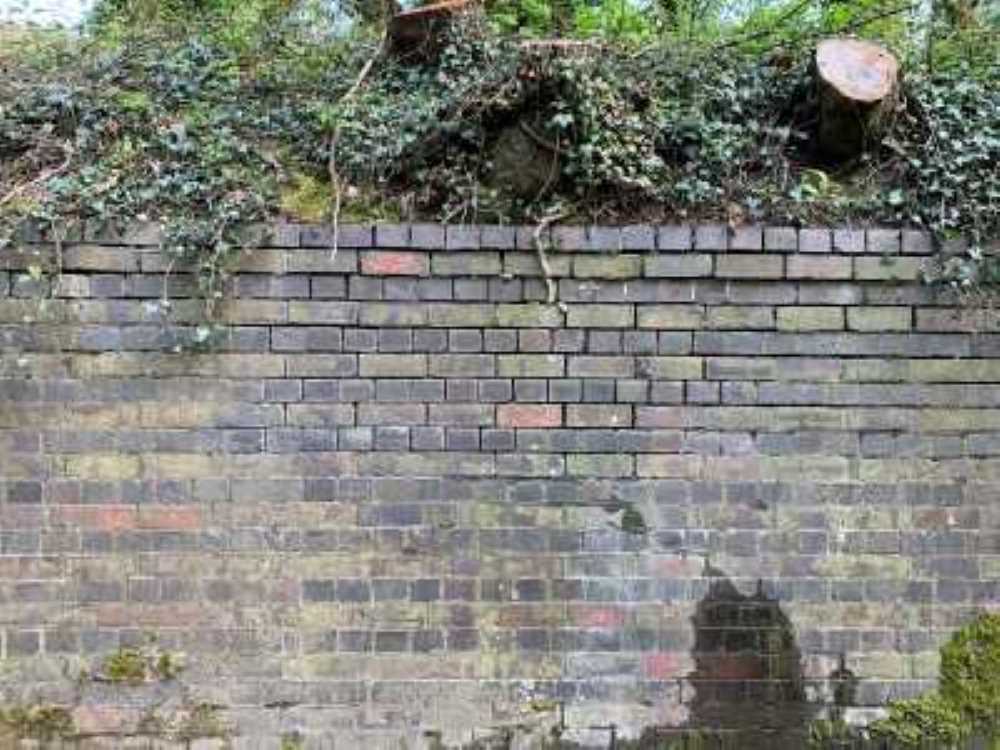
<point x="392" y="365"/>
<point x="813" y="240"/>
<point x="917" y="243"/>
<point x="595" y="415"/>
<point x="674" y="237"/>
<point x="638" y="237"/>
<point x="669" y="368"/>
<point x="597" y="315"/>
<point x="887" y="268"/>
<point x="392" y="235"/>
<point x="747" y="238"/>
<point x="740" y="317"/>
<point x="530" y="365"/>
<point x="601" y="367"/>
<point x="805" y="318"/>
<point x="749" y="266"/>
<point x="528" y="316"/>
<point x="466" y="264"/>
<point x="711" y="237"/>
<point x="499" y="237"/>
<point x="689" y="265"/>
<point x="523" y="416"/>
<point x="783" y="239"/>
<point x="883" y="241"/>
<point x="617" y="267"/>
<point x="463" y="237"/>
<point x="463" y="365"/>
<point x="819" y="267"/>
<point x="871" y="319"/>
<point x="849" y="240"/>
<point x="384" y="263"/>
<point x="684" y="317"/>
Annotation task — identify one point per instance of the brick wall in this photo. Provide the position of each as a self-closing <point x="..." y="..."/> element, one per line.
<point x="405" y="498"/>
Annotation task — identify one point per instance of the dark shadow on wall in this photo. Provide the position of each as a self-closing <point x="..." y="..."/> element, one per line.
<point x="748" y="678"/>
<point x="748" y="681"/>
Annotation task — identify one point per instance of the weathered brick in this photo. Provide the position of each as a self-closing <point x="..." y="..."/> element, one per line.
<point x="529" y="416"/>
<point x="882" y="241"/>
<point x="384" y="263"/>
<point x="804" y="318"/>
<point x="605" y="316"/>
<point x="688" y="265"/>
<point x="685" y="317"/>
<point x="674" y="237"/>
<point x="616" y="267"/>
<point x="783" y="239"/>
<point x="711" y="237"/>
<point x="878" y="318"/>
<point x="849" y="240"/>
<point x="749" y="266"/>
<point x="747" y="237"/>
<point x="813" y="240"/>
<point x="392" y="365"/>
<point x="887" y="268"/>
<point x="819" y="267"/>
<point x="466" y="264"/>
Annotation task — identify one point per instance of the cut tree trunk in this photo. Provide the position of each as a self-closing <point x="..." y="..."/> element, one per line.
<point x="858" y="84"/>
<point x="416" y="35"/>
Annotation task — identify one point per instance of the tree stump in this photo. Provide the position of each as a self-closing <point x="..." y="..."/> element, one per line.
<point x="416" y="35"/>
<point x="857" y="82"/>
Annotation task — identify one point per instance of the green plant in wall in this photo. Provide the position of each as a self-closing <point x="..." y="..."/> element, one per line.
<point x="41" y="722"/>
<point x="967" y="702"/>
<point x="134" y="666"/>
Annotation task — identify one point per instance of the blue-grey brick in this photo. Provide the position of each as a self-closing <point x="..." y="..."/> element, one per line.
<point x="391" y="438"/>
<point x="435" y="289"/>
<point x="364" y="288"/>
<point x="498" y="440"/>
<point x="495" y="390"/>
<point x="355" y="438"/>
<point x="530" y="390"/>
<point x="427" y="438"/>
<point x="395" y="340"/>
<point x="463" y="237"/>
<point x="360" y="340"/>
<point x="328" y="287"/>
<point x="392" y="235"/>
<point x="430" y="341"/>
<point x="604" y="342"/>
<point x="471" y="290"/>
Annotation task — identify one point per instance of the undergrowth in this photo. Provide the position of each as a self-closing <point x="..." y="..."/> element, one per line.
<point x="206" y="116"/>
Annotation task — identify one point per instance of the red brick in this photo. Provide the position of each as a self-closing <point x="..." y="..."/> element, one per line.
<point x="518" y="415"/>
<point x="599" y="617"/>
<point x="662" y="665"/>
<point x="383" y="263"/>
<point x="102" y="518"/>
<point x="175" y="518"/>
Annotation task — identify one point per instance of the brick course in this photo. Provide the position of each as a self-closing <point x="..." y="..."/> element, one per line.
<point x="405" y="495"/>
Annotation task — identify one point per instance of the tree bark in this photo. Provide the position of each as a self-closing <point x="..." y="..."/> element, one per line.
<point x="858" y="83"/>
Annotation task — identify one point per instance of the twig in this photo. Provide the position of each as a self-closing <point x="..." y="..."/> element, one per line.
<point x="331" y="162"/>
<point x="40" y="178"/>
<point x="530" y="132"/>
<point x="543" y="259"/>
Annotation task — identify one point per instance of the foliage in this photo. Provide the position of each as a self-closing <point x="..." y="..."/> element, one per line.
<point x="929" y="720"/>
<point x="36" y="722"/>
<point x="134" y="666"/>
<point x="968" y="700"/>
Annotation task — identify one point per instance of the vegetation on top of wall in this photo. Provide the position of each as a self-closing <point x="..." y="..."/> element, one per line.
<point x="204" y="115"/>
